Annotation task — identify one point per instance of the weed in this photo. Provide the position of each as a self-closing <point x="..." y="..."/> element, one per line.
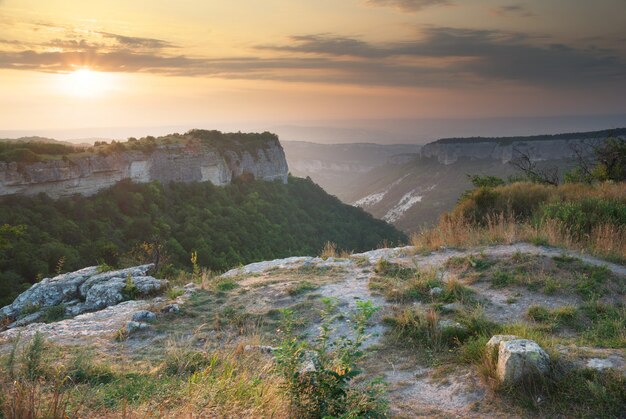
<point x="180" y="361"/>
<point x="130" y="290"/>
<point x="329" y="250"/>
<point x="318" y="378"/>
<point x="104" y="267"/>
<point x="33" y="357"/>
<point x="301" y="288"/>
<point x="30" y="308"/>
<point x="502" y="279"/>
<point x="174" y="293"/>
<point x="53" y="313"/>
<point x="121" y="334"/>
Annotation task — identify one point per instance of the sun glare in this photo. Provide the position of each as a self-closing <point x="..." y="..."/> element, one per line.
<point x="87" y="83"/>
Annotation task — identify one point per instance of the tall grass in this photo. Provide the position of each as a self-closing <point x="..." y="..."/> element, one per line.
<point x="589" y="218"/>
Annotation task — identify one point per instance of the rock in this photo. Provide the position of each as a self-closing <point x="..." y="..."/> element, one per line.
<point x="493" y="346"/>
<point x="310" y="362"/>
<point x="144" y="316"/>
<point x="436" y="291"/>
<point x="450" y="324"/>
<point x="170" y="308"/>
<point x="452" y="307"/>
<point x="261" y="348"/>
<point x="88" y="173"/>
<point x="519" y="358"/>
<point x="82" y="291"/>
<point x="133" y="326"/>
<point x="50" y="292"/>
<point x="31" y="318"/>
<point x="599" y="364"/>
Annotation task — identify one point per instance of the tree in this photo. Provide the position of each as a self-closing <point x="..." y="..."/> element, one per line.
<point x="533" y="172"/>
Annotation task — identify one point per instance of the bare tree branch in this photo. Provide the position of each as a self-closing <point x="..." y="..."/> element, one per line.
<point x="524" y="163"/>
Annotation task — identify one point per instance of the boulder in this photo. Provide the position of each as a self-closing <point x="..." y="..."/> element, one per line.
<point x="132" y="327"/>
<point x="144" y="316"/>
<point x="81" y="291"/>
<point x="493" y="346"/>
<point x="170" y="308"/>
<point x="520" y="358"/>
<point x="436" y="291"/>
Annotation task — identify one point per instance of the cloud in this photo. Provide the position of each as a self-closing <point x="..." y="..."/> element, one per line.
<point x="137" y="42"/>
<point x="409" y="5"/>
<point x="513" y="10"/>
<point x="439" y="57"/>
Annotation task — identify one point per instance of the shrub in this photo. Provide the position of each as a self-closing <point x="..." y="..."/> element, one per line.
<point x="130" y="290"/>
<point x="54" y="313"/>
<point x="318" y="378"/>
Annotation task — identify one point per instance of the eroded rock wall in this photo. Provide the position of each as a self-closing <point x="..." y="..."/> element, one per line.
<point x="90" y="173"/>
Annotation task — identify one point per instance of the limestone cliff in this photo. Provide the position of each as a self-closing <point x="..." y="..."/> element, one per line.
<point x="538" y="148"/>
<point x="179" y="158"/>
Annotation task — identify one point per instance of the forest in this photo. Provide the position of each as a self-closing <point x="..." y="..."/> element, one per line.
<point x="128" y="224"/>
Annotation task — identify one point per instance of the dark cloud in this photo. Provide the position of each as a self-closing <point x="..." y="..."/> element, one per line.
<point x="482" y="54"/>
<point x="409" y="5"/>
<point x="137" y="42"/>
<point x="440" y="57"/>
<point x="513" y="10"/>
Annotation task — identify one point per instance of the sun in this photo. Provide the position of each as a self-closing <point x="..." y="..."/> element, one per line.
<point x="87" y="83"/>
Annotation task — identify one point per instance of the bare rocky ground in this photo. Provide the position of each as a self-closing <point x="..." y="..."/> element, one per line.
<point x="246" y="311"/>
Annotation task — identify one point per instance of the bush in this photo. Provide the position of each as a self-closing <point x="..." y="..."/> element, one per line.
<point x="54" y="313"/>
<point x="318" y="378"/>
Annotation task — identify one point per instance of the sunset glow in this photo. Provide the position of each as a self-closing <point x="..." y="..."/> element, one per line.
<point x="200" y="63"/>
<point x="86" y="83"/>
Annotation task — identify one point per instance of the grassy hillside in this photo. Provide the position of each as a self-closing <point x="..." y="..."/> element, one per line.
<point x="586" y="217"/>
<point x="130" y="223"/>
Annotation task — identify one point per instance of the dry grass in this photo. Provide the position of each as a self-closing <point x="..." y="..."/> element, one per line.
<point x="606" y="240"/>
<point x="329" y="250"/>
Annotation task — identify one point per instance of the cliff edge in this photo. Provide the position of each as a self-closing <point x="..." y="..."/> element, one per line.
<point x="196" y="156"/>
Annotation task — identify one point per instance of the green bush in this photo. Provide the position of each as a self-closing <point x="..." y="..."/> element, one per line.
<point x="580" y="217"/>
<point x="319" y="378"/>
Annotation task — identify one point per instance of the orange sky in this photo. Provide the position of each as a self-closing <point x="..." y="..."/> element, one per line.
<point x="157" y="62"/>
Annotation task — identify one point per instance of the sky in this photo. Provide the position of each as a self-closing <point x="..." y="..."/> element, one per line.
<point x="81" y="65"/>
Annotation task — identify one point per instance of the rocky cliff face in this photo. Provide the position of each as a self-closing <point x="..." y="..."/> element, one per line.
<point x="178" y="162"/>
<point x="538" y="148"/>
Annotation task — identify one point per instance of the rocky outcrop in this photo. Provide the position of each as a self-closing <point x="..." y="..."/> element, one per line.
<point x="82" y="291"/>
<point x="182" y="161"/>
<point x="538" y="148"/>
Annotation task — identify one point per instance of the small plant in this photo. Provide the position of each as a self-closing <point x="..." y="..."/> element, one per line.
<point x="30" y="308"/>
<point x="33" y="357"/>
<point x="225" y="284"/>
<point x="301" y="288"/>
<point x="318" y="378"/>
<point x="104" y="267"/>
<point x="130" y="290"/>
<point x="329" y="250"/>
<point x="501" y="279"/>
<point x="59" y="267"/>
<point x="174" y="293"/>
<point x="196" y="271"/>
<point x="54" y="313"/>
<point x="121" y="334"/>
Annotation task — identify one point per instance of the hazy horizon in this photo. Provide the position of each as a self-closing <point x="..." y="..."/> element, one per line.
<point x="390" y="131"/>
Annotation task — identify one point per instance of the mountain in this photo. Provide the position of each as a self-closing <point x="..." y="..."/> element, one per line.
<point x="337" y="166"/>
<point x="412" y="189"/>
<point x="199" y="155"/>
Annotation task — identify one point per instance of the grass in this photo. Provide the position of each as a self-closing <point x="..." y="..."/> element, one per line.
<point x="301" y="287"/>
<point x="56" y="384"/>
<point x="513" y="213"/>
